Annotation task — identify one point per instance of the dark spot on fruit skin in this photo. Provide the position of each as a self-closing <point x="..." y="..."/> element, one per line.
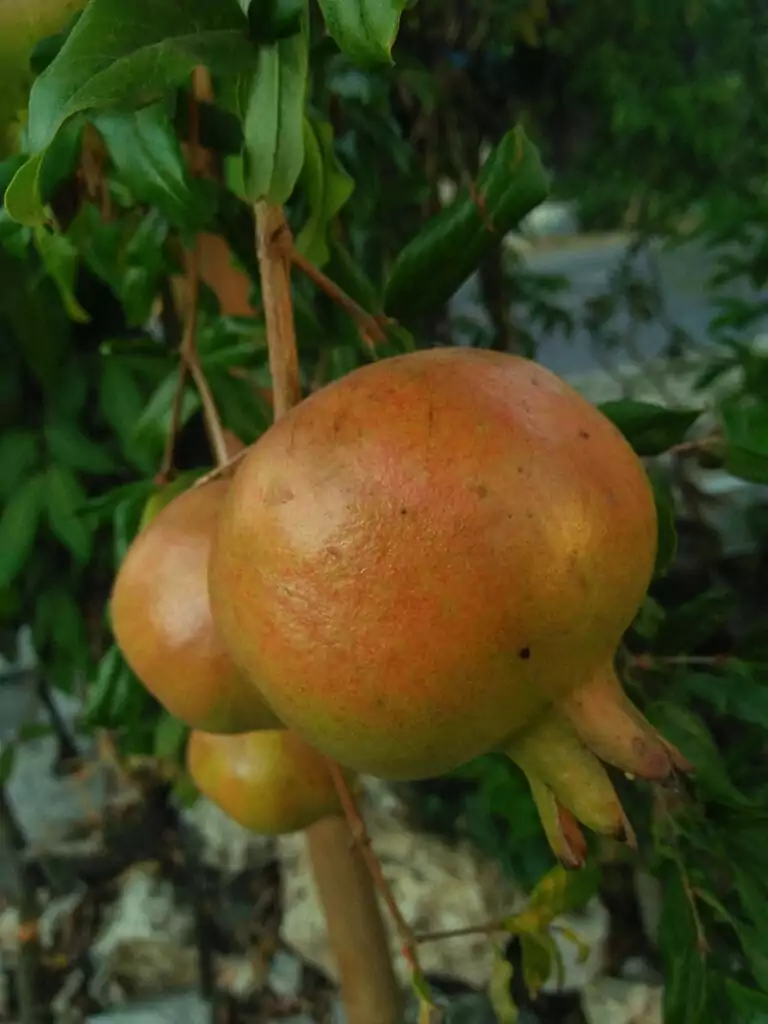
<point x="585" y="434"/>
<point x="481" y="491"/>
<point x="403" y="511"/>
<point x="524" y="653"/>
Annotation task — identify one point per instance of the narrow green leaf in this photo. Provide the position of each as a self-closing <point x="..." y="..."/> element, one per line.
<point x="685" y="993"/>
<point x="651" y="429"/>
<point x="65" y="502"/>
<point x="60" y="259"/>
<point x="7" y="761"/>
<point x="19" y="454"/>
<point x="749" y="1002"/>
<point x="745" y="430"/>
<point x="561" y="891"/>
<point x="273" y="121"/>
<point x="122" y="54"/>
<point x="18" y="526"/>
<point x="170" y="737"/>
<point x="327" y="187"/>
<point x="734" y="692"/>
<point x="364" y="29"/>
<point x="666" y="522"/>
<point x="147" y="156"/>
<point x="122" y="403"/>
<point x="100" y="692"/>
<point x="153" y="424"/>
<point x="69" y="445"/>
<point x="451" y="246"/>
<point x="500" y="989"/>
<point x="753" y="945"/>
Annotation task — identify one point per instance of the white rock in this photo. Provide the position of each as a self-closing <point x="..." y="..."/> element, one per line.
<point x="438" y="887"/>
<point x="581" y="940"/>
<point x="226" y="845"/>
<point x="183" y="1009"/>
<point x="613" y="1001"/>
<point x="146" y="945"/>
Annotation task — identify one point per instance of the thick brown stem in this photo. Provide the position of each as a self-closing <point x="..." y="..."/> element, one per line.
<point x="355" y="928"/>
<point x="353" y="918"/>
<point x="275" y="268"/>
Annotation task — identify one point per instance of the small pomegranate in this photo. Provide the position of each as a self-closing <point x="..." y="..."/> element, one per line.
<point x="161" y="618"/>
<point x="436" y="556"/>
<point x="270" y="782"/>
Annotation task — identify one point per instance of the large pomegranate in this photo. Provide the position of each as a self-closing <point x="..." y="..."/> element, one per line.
<point x="270" y="781"/>
<point x="161" y="618"/>
<point x="436" y="556"/>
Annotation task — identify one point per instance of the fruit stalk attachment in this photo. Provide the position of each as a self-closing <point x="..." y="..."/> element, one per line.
<point x="353" y="918"/>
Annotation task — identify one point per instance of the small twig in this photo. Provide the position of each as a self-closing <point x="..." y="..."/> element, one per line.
<point x="648" y="662"/>
<point x="488" y="928"/>
<point x="363" y="840"/>
<point x="166" y="465"/>
<point x="220" y="470"/>
<point x="369" y="326"/>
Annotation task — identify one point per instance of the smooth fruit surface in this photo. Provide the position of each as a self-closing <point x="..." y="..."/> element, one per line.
<point x="426" y="554"/>
<point x="161" y="617"/>
<point x="270" y="782"/>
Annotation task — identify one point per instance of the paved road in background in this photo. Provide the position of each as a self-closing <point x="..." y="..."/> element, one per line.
<point x="588" y="267"/>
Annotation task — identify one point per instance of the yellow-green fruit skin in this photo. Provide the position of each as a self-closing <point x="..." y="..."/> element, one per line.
<point x="270" y="782"/>
<point x="23" y="23"/>
<point x="425" y="554"/>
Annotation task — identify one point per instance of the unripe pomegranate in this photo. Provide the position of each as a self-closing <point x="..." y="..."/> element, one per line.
<point x="436" y="556"/>
<point x="270" y="782"/>
<point x="161" y="617"/>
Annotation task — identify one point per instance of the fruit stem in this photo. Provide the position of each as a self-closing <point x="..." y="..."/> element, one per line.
<point x="273" y="236"/>
<point x="356" y="931"/>
<point x="359" y="831"/>
<point x="345" y="885"/>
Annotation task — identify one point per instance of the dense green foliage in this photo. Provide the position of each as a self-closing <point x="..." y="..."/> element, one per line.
<point x="648" y="115"/>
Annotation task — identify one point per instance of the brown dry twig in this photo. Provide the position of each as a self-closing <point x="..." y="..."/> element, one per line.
<point x="360" y="834"/>
<point x="370" y="327"/>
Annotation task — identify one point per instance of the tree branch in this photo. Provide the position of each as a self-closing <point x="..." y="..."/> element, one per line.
<point x="369" y="326"/>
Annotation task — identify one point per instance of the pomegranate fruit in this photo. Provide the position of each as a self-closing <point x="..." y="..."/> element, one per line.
<point x="436" y="556"/>
<point x="270" y="782"/>
<point x="161" y="619"/>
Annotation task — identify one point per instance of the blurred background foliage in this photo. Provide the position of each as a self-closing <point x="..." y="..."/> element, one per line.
<point x="651" y="117"/>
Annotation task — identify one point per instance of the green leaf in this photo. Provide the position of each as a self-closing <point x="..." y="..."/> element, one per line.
<point x="745" y="430"/>
<point x="99" y="697"/>
<point x="685" y="993"/>
<point x="364" y="29"/>
<point x="273" y="120"/>
<point x="18" y="526"/>
<point x="753" y="945"/>
<point x="749" y="1002"/>
<point x="500" y="989"/>
<point x="60" y="259"/>
<point x="452" y="245"/>
<point x="327" y="187"/>
<point x="146" y="153"/>
<point x="7" y="761"/>
<point x="122" y="403"/>
<point x="651" y="429"/>
<point x="687" y="731"/>
<point x="65" y="501"/>
<point x="69" y="445"/>
<point x="170" y="738"/>
<point x="153" y="424"/>
<point x="19" y="454"/>
<point x="561" y="891"/>
<point x="666" y="521"/>
<point x="734" y="692"/>
<point x="122" y="54"/>
<point x="270" y="20"/>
